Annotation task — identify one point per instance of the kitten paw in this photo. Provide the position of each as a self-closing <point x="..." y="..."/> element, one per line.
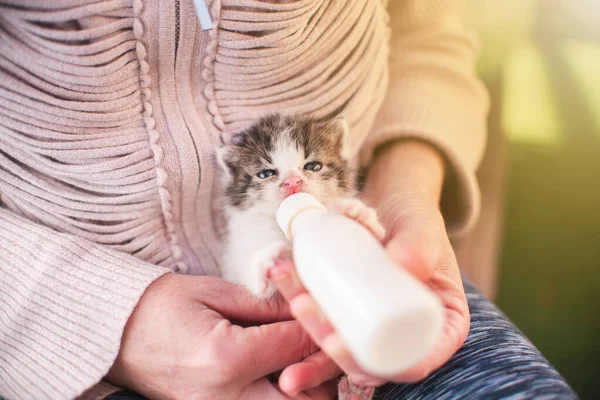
<point x="350" y="391"/>
<point x="361" y="213"/>
<point x="263" y="260"/>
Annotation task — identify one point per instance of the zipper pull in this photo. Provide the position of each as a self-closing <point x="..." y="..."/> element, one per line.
<point x="203" y="15"/>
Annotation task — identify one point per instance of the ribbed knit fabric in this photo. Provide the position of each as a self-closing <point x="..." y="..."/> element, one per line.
<point x="65" y="302"/>
<point x="433" y="96"/>
<point x="110" y="112"/>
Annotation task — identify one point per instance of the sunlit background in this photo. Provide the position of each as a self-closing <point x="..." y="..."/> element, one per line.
<point x="541" y="63"/>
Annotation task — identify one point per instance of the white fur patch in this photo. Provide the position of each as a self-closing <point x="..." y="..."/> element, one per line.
<point x="286" y="157"/>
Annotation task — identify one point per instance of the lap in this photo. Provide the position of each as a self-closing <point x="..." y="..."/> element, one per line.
<point x="496" y="362"/>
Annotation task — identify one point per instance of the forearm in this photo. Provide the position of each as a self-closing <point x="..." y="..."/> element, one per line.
<point x="435" y="97"/>
<point x="404" y="173"/>
<point x="65" y="302"/>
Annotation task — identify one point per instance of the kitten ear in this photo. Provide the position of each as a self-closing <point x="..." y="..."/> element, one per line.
<point x="237" y="139"/>
<point x="227" y="158"/>
<point x="340" y="132"/>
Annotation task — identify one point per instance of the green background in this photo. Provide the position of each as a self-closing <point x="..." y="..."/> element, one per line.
<point x="546" y="56"/>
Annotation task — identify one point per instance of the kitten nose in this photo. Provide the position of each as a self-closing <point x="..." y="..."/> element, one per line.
<point x="293" y="181"/>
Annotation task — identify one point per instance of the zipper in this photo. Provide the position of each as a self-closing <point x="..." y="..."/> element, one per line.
<point x="177" y="26"/>
<point x="203" y="14"/>
<point x="203" y="17"/>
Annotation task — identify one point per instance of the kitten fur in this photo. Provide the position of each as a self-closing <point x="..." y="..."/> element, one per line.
<point x="284" y="145"/>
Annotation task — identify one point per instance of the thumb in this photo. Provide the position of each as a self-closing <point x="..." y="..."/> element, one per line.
<point x="416" y="243"/>
<point x="262" y="389"/>
<point x="265" y="349"/>
<point x="236" y="303"/>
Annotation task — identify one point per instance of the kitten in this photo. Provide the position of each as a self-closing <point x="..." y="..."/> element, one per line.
<point x="276" y="157"/>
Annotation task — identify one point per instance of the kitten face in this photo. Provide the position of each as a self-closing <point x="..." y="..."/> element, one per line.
<point x="279" y="156"/>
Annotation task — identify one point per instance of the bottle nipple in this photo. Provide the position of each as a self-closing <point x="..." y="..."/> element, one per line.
<point x="294" y="205"/>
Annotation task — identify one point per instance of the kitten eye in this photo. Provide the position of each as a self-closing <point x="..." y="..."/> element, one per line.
<point x="266" y="173"/>
<point x="313" y="166"/>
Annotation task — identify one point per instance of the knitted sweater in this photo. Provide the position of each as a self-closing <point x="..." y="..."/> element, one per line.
<point x="110" y="112"/>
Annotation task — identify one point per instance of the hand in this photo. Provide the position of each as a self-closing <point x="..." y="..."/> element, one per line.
<point x="179" y="343"/>
<point x="405" y="188"/>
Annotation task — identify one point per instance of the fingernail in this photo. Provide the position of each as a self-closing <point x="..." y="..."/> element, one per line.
<point x="285" y="280"/>
<point x="277" y="273"/>
<point x="312" y="319"/>
<point x="281" y="277"/>
<point x="343" y="385"/>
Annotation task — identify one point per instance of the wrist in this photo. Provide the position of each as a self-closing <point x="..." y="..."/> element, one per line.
<point x="406" y="169"/>
<point x="122" y="372"/>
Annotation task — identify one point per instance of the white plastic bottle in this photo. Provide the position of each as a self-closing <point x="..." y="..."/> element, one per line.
<point x="387" y="318"/>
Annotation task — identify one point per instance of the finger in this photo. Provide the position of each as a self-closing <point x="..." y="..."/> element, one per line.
<point x="284" y="277"/>
<point x="236" y="303"/>
<point x="307" y="312"/>
<point x="314" y="371"/>
<point x="302" y="306"/>
<point x="309" y="373"/>
<point x="262" y="389"/>
<point x="327" y="391"/>
<point x="258" y="351"/>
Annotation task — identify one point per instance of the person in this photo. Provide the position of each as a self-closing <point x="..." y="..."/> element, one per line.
<point x="110" y="115"/>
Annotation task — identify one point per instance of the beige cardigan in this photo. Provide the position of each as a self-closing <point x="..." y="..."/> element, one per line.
<point x="110" y="112"/>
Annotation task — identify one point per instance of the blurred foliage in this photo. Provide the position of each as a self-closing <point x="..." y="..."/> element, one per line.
<point x="546" y="56"/>
<point x="500" y="25"/>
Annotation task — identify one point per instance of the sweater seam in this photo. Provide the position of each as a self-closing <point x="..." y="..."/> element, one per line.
<point x="208" y="73"/>
<point x="154" y="138"/>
